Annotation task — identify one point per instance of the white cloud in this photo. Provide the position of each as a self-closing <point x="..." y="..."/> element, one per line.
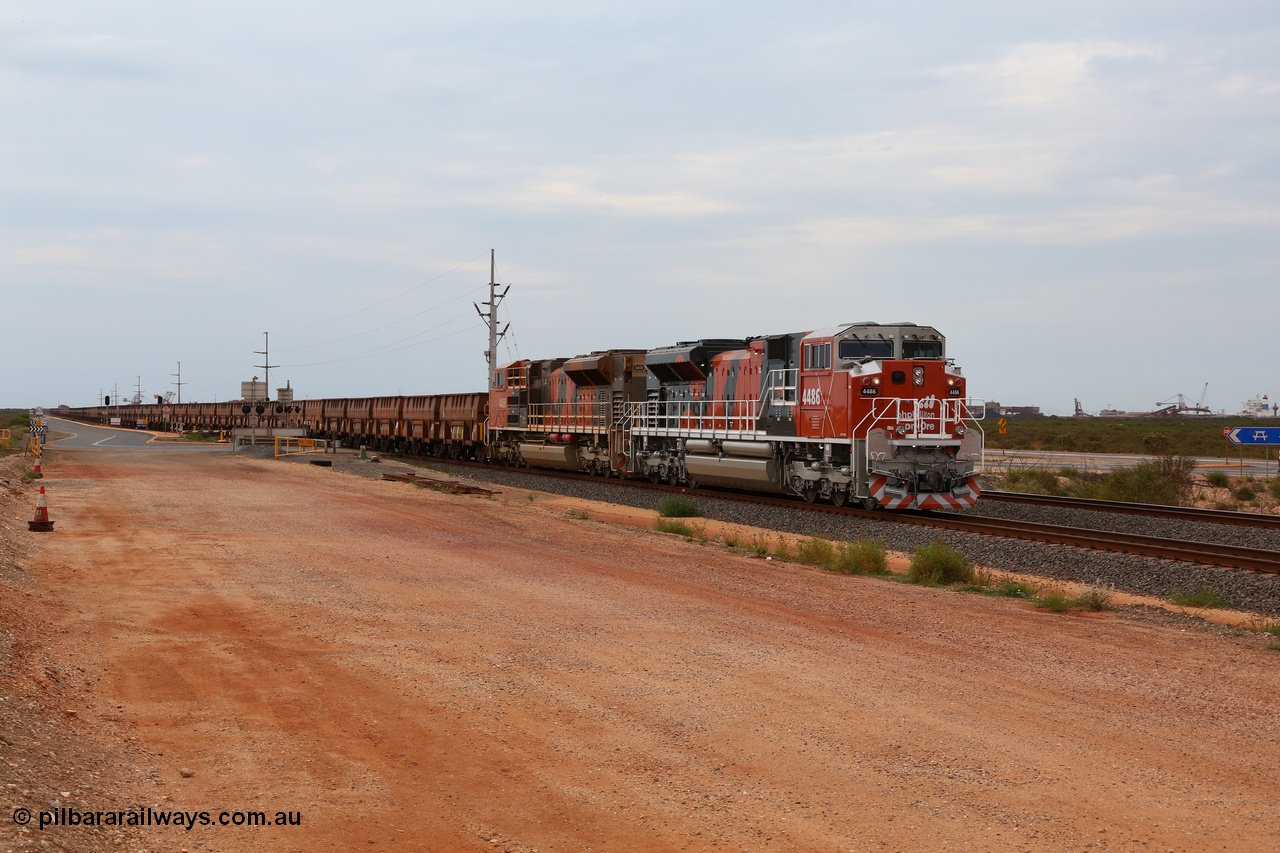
<point x="1044" y="74"/>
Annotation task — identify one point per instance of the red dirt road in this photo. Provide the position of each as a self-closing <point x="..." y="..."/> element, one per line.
<point x="413" y="670"/>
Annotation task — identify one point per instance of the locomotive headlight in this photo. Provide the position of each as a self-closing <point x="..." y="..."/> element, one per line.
<point x="951" y="380"/>
<point x="960" y="430"/>
<point x="875" y="380"/>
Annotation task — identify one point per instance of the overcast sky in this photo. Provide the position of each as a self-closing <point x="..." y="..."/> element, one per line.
<point x="1082" y="196"/>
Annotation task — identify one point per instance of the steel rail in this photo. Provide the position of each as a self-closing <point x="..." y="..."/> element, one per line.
<point x="1213" y="516"/>
<point x="1187" y="551"/>
<point x="1204" y="553"/>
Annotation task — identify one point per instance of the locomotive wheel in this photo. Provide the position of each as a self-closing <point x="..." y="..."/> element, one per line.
<point x="673" y="477"/>
<point x="870" y="503"/>
<point x="809" y="493"/>
<point x="838" y="497"/>
<point x="655" y="476"/>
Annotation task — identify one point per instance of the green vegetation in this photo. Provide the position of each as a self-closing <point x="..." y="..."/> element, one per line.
<point x="1274" y="488"/>
<point x="1264" y="626"/>
<point x="1010" y="588"/>
<point x="816" y="552"/>
<point x="1192" y="436"/>
<point x="17" y="422"/>
<point x="681" y="528"/>
<point x="1051" y="598"/>
<point x="1200" y="597"/>
<point x="1167" y="480"/>
<point x="1163" y="480"/>
<point x="938" y="565"/>
<point x="1267" y="626"/>
<point x="1218" y="479"/>
<point x="1094" y="599"/>
<point x="864" y="557"/>
<point x="987" y="583"/>
<point x="576" y="513"/>
<point x="1054" y="599"/>
<point x="678" y="507"/>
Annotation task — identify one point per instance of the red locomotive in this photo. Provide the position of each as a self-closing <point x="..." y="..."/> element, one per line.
<point x="864" y="412"/>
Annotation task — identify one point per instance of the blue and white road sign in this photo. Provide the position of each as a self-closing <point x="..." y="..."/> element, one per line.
<point x="1254" y="435"/>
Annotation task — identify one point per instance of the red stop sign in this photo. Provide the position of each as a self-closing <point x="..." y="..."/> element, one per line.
<point x="1226" y="431"/>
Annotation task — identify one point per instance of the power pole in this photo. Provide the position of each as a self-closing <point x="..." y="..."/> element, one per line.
<point x="490" y="318"/>
<point x="179" y="383"/>
<point x="137" y="397"/>
<point x="266" y="363"/>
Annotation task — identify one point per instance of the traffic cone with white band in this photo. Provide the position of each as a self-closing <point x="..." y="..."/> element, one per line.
<point x="41" y="523"/>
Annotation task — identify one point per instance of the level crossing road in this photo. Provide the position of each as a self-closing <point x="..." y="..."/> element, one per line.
<point x="78" y="436"/>
<point x="1113" y="461"/>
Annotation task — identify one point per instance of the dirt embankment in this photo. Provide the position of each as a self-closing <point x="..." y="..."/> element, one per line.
<point x="409" y="670"/>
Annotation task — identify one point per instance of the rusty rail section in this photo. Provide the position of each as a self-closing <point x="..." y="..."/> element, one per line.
<point x="453" y="487"/>
<point x="1214" y="516"/>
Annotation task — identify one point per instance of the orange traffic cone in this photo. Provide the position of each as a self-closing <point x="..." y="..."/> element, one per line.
<point x="37" y="472"/>
<point x="41" y="524"/>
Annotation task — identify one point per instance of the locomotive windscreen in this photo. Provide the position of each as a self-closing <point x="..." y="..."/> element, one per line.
<point x="858" y="348"/>
<point x="922" y="349"/>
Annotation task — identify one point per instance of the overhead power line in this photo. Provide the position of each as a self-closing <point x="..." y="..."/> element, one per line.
<point x="388" y="299"/>
<point x="387" y="325"/>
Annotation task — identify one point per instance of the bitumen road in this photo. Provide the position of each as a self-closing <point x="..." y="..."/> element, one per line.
<point x="72" y="435"/>
<point x="1114" y="461"/>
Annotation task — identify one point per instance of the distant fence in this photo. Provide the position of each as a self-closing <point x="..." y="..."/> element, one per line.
<point x="288" y="446"/>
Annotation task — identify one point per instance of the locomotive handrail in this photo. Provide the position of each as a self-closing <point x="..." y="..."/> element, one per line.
<point x="570" y="416"/>
<point x="686" y="417"/>
<point x="918" y="415"/>
<point x="785" y="380"/>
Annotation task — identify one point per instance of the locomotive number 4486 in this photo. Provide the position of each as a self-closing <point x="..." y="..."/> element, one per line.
<point x="811" y="397"/>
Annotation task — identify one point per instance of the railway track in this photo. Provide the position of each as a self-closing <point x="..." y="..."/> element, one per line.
<point x="1212" y="554"/>
<point x="1213" y="516"/>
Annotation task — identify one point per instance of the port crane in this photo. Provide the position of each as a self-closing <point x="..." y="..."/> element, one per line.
<point x="1179" y="405"/>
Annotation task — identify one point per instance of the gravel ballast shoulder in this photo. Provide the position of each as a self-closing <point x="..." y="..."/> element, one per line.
<point x="1246" y="591"/>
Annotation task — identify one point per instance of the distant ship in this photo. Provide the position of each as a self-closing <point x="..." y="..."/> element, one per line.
<point x="1260" y="407"/>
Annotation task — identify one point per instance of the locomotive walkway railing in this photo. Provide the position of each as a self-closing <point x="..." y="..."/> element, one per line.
<point x="587" y="417"/>
<point x="697" y="418"/>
